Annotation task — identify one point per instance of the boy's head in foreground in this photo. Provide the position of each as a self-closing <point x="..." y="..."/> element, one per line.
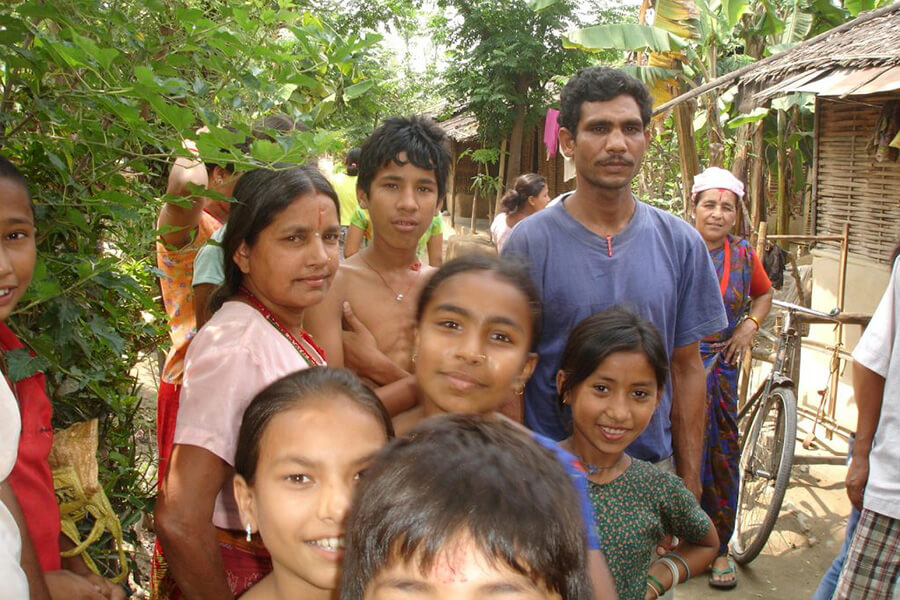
<point x="463" y="508"/>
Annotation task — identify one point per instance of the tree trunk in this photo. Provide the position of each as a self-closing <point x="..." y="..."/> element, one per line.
<point x="475" y="202"/>
<point x="514" y="165"/>
<point x="451" y="188"/>
<point x="714" y="134"/>
<point x="758" y="210"/>
<point x="739" y="165"/>
<point x="687" y="150"/>
<point x="501" y="187"/>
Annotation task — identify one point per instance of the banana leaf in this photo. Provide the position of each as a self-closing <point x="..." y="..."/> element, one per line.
<point x="627" y="37"/>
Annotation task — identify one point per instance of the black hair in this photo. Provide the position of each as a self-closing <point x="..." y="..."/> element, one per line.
<point x="260" y="196"/>
<point x="895" y="253"/>
<point x="291" y="391"/>
<point x="352" y="161"/>
<point x="525" y="186"/>
<point x="604" y="333"/>
<point x="460" y="476"/>
<point x="426" y="146"/>
<point x="11" y="172"/>
<point x="599" y="84"/>
<point x="511" y="271"/>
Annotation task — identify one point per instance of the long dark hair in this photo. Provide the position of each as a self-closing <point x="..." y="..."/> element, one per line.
<point x="260" y="196"/>
<point x="526" y="186"/>
<point x="291" y="391"/>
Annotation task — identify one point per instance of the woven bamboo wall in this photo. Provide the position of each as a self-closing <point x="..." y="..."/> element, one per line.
<point x="851" y="184"/>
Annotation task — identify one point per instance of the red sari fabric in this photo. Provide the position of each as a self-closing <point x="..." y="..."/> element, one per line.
<point x="31" y="480"/>
<point x="246" y="563"/>
<point x="166" y="414"/>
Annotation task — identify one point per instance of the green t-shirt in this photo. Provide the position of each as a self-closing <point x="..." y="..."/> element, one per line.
<point x="209" y="264"/>
<point x="345" y="186"/>
<point x="634" y="512"/>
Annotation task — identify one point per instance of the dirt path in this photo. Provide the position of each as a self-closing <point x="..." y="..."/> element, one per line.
<point x="807" y="536"/>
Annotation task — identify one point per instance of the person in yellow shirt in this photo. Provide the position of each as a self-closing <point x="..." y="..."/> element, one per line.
<point x="345" y="186"/>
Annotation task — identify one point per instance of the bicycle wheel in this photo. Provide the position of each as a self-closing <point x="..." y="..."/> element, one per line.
<point x="767" y="453"/>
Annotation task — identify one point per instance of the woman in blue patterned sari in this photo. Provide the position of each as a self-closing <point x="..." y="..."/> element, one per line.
<point x="747" y="294"/>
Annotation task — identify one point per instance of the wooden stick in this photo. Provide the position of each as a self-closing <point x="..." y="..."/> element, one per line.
<point x="839" y="330"/>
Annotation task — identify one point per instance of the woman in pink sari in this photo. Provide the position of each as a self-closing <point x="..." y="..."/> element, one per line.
<point x="281" y="250"/>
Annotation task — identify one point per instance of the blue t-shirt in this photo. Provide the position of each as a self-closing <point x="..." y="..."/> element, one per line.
<point x="659" y="267"/>
<point x="579" y="480"/>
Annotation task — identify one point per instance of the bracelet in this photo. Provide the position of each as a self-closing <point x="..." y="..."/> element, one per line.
<point x="754" y="319"/>
<point x="683" y="562"/>
<point x="676" y="573"/>
<point x="656" y="585"/>
<point x="655" y="591"/>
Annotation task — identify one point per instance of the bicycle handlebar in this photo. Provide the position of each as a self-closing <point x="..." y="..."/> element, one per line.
<point x="834" y="312"/>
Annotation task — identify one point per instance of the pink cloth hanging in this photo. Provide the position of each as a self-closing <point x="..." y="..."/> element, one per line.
<point x="551" y="132"/>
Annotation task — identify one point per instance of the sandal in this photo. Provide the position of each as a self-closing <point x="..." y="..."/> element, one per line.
<point x="723" y="585"/>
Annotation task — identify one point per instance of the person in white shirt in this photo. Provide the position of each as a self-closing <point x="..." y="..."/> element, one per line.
<point x="872" y="568"/>
<point x="528" y="195"/>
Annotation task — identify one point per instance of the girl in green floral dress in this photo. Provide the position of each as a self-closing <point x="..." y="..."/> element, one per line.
<point x="612" y="374"/>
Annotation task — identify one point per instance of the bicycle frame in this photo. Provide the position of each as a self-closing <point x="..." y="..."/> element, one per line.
<point x="788" y="336"/>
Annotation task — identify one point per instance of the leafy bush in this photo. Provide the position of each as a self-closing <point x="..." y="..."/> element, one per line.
<point x="96" y="100"/>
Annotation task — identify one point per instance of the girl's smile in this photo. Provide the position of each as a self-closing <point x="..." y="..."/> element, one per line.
<point x="613" y="406"/>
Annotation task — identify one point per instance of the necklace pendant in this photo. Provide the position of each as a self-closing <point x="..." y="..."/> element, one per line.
<point x="399" y="298"/>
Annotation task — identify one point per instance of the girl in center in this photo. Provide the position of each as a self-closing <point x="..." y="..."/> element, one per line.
<point x="612" y="374"/>
<point x="281" y="252"/>
<point x="304" y="443"/>
<point x="478" y="320"/>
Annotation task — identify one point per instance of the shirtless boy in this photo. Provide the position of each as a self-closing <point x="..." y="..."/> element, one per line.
<point x="403" y="170"/>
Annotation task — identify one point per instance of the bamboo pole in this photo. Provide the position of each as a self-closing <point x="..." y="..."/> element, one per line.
<point x="839" y="330"/>
<point x="748" y="354"/>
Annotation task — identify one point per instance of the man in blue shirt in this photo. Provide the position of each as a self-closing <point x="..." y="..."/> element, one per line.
<point x="601" y="247"/>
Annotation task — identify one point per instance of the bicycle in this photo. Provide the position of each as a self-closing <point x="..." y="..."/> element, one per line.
<point x="768" y="422"/>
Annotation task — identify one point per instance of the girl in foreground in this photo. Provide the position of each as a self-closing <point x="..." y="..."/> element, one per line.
<point x="478" y="318"/>
<point x="304" y="443"/>
<point x="612" y="374"/>
<point x="281" y="252"/>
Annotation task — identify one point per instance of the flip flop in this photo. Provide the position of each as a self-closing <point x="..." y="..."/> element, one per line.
<point x="723" y="585"/>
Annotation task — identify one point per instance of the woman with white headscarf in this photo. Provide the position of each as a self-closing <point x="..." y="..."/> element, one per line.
<point x="747" y="294"/>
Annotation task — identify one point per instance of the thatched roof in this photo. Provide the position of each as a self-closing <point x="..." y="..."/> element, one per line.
<point x="869" y="41"/>
<point x="462" y="127"/>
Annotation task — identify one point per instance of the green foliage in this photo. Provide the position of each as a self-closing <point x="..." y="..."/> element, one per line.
<point x="503" y="54"/>
<point x="96" y="100"/>
<point x="857" y="6"/>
